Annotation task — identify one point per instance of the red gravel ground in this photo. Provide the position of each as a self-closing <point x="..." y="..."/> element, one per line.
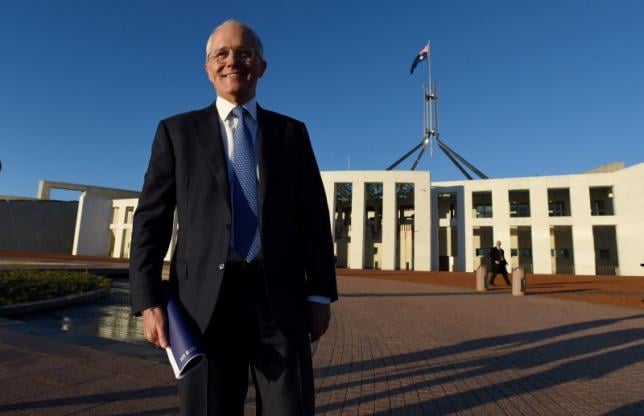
<point x="611" y="290"/>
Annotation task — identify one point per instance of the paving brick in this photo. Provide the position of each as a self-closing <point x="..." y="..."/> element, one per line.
<point x="393" y="348"/>
<point x="467" y="358"/>
<point x="160" y="400"/>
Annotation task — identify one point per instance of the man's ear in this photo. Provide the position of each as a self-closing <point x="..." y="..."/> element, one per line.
<point x="262" y="68"/>
<point x="205" y="67"/>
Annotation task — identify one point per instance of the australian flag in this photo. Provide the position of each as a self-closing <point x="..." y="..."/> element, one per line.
<point x="422" y="55"/>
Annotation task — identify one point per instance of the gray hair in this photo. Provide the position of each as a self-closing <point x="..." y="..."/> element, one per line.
<point x="258" y="42"/>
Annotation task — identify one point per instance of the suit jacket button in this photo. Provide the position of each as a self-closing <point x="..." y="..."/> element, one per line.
<point x="222" y="266"/>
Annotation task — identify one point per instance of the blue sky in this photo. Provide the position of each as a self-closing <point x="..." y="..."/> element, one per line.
<point x="526" y="87"/>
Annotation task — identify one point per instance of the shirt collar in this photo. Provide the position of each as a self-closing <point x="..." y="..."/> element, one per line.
<point x="225" y="107"/>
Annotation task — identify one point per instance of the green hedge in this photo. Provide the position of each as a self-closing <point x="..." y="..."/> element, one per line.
<point x="19" y="286"/>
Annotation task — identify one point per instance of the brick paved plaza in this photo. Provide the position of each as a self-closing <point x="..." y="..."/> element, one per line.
<point x="394" y="348"/>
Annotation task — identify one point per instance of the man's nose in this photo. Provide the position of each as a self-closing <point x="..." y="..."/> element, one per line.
<point x="232" y="58"/>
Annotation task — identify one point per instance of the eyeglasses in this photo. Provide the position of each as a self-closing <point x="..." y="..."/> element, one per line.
<point x="245" y="55"/>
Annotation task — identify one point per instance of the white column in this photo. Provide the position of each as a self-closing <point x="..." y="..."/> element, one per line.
<point x="541" y="261"/>
<point x="462" y="255"/>
<point x="329" y="189"/>
<point x="540" y="230"/>
<point x="422" y="225"/>
<point x="434" y="230"/>
<point x="356" y="256"/>
<point x="467" y="230"/>
<point x="388" y="224"/>
<point x="539" y="202"/>
<point x="44" y="190"/>
<point x="629" y="205"/>
<point x="118" y="229"/>
<point x="501" y="217"/>
<point x="584" y="246"/>
<point x="583" y="243"/>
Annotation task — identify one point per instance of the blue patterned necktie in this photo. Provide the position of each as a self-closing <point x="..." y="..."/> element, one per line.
<point x="245" y="212"/>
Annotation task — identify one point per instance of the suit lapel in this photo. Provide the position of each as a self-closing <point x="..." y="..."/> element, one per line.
<point x="267" y="145"/>
<point x="208" y="133"/>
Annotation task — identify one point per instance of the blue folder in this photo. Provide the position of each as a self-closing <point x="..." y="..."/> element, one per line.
<point x="184" y="352"/>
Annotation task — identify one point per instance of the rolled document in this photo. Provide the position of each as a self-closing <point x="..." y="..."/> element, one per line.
<point x="184" y="352"/>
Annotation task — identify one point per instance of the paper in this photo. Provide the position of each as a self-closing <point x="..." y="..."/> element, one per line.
<point x="184" y="352"/>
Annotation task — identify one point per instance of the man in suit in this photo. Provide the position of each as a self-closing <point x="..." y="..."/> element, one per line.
<point x="497" y="263"/>
<point x="253" y="264"/>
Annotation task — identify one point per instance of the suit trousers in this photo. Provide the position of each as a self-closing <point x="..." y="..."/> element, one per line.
<point x="243" y="335"/>
<point x="499" y="269"/>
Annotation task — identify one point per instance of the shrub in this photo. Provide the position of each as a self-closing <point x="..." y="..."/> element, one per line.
<point x="25" y="285"/>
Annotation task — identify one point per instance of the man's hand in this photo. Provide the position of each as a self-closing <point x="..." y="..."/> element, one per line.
<point x="154" y="327"/>
<point x="320" y="315"/>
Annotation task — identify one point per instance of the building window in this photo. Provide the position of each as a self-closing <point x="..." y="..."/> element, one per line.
<point x="482" y="204"/>
<point x="405" y="226"/>
<point x="129" y="215"/>
<point x="601" y="201"/>
<point x="606" y="256"/>
<point x="115" y="215"/>
<point x="597" y="207"/>
<point x="556" y="209"/>
<point x="447" y="205"/>
<point x="342" y="219"/>
<point x="519" y="203"/>
<point x="483" y="211"/>
<point x="373" y="193"/>
<point x="561" y="253"/>
<point x="559" y="202"/>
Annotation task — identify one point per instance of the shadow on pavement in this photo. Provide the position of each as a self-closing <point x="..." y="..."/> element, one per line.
<point x="601" y="354"/>
<point x="101" y="399"/>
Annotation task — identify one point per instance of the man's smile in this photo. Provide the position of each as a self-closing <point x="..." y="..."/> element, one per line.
<point x="235" y="75"/>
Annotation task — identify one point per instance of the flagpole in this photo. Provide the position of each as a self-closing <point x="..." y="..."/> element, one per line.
<point x="430" y="122"/>
<point x="429" y="64"/>
<point x="426" y="115"/>
<point x="428" y="100"/>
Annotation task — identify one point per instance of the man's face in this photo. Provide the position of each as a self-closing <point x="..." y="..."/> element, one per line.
<point x="234" y="64"/>
<point x="498" y="244"/>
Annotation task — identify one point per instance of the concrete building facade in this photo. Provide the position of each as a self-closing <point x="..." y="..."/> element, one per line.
<point x="380" y="219"/>
<point x="585" y="224"/>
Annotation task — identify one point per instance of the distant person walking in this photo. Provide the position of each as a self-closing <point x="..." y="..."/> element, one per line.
<point x="497" y="263"/>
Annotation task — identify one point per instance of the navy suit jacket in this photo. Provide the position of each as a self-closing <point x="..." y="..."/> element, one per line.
<point x="188" y="170"/>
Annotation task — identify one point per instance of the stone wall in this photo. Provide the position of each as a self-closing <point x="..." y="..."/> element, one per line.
<point x="38" y="226"/>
